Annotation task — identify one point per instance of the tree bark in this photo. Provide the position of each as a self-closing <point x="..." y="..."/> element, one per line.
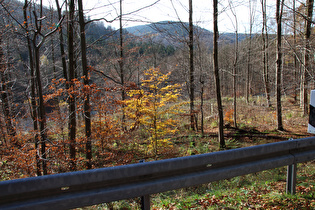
<point x="295" y="55"/>
<point x="121" y="65"/>
<point x="42" y="111"/>
<point x="41" y="107"/>
<point x="279" y="10"/>
<point x="307" y="49"/>
<point x="34" y="113"/>
<point x="202" y="83"/>
<point x="191" y="67"/>
<point x="235" y="64"/>
<point x="248" y="70"/>
<point x="72" y="101"/>
<point x="62" y="45"/>
<point x="216" y="72"/>
<point x="87" y="107"/>
<point x="264" y="34"/>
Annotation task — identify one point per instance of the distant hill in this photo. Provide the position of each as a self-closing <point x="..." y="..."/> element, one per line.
<point x="175" y="33"/>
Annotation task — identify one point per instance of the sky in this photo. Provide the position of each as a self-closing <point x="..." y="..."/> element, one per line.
<point x="172" y="10"/>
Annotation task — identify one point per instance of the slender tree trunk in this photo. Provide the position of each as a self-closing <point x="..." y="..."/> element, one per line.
<point x="279" y="10"/>
<point x="34" y="113"/>
<point x="248" y="66"/>
<point x="62" y="45"/>
<point x="234" y="79"/>
<point x="202" y="82"/>
<point x="42" y="111"/>
<point x="36" y="43"/>
<point x="87" y="107"/>
<point x="216" y="72"/>
<point x="72" y="102"/>
<point x="63" y="62"/>
<point x="56" y="100"/>
<point x="251" y="17"/>
<point x="295" y="55"/>
<point x="307" y="50"/>
<point x="264" y="34"/>
<point x="191" y="67"/>
<point x="121" y="66"/>
<point x="235" y="63"/>
<point x="248" y="71"/>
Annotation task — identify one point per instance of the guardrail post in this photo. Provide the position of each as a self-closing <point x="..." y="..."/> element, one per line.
<point x="145" y="200"/>
<point x="291" y="178"/>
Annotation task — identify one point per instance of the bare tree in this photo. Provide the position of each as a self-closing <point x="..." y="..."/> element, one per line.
<point x="62" y="44"/>
<point x="216" y="72"/>
<point x="279" y="11"/>
<point x="191" y="68"/>
<point x="72" y="124"/>
<point x="249" y="66"/>
<point x="307" y="48"/>
<point x="35" y="42"/>
<point x="87" y="106"/>
<point x="294" y="52"/>
<point x="121" y="61"/>
<point x="265" y="39"/>
<point x="34" y="113"/>
<point x="235" y="62"/>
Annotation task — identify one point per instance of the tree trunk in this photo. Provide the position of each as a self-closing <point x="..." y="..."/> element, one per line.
<point x="34" y="113"/>
<point x="248" y="68"/>
<point x="62" y="45"/>
<point x="235" y="63"/>
<point x="41" y="106"/>
<point x="264" y="34"/>
<point x="42" y="111"/>
<point x="36" y="44"/>
<point x="307" y="49"/>
<point x="249" y="52"/>
<point x="202" y="83"/>
<point x="63" y="62"/>
<point x="295" y="55"/>
<point x="216" y="72"/>
<point x="191" y="67"/>
<point x="279" y="10"/>
<point x="87" y="107"/>
<point x="72" y="102"/>
<point x="121" y="66"/>
<point x="234" y="79"/>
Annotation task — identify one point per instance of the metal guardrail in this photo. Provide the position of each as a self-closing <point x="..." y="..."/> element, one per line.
<point x="85" y="188"/>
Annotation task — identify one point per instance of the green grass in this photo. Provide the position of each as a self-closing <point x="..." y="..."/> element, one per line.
<point x="263" y="190"/>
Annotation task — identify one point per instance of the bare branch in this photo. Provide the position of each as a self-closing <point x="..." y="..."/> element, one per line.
<point x="299" y="13"/>
<point x="51" y="32"/>
<point x="129" y="13"/>
<point x="9" y="13"/>
<point x="106" y="76"/>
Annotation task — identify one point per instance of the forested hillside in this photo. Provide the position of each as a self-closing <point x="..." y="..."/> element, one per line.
<point x="170" y="32"/>
<point x="77" y="93"/>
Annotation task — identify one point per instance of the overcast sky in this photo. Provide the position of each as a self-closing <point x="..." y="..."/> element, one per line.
<point x="172" y="10"/>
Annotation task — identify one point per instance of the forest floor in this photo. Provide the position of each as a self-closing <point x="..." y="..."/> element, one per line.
<point x="263" y="190"/>
<point x="256" y="124"/>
